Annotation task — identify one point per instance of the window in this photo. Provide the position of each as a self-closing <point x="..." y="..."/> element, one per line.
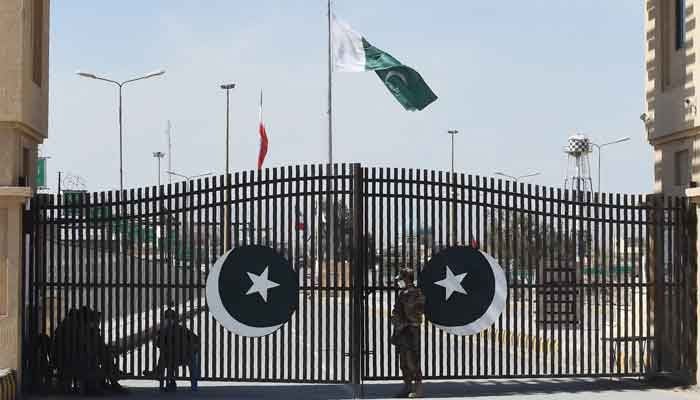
<point x="680" y="23"/>
<point x="26" y="168"/>
<point x="37" y="41"/>
<point x="681" y="168"/>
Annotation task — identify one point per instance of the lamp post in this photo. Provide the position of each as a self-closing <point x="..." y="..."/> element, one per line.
<point x="452" y="133"/>
<point x="600" y="148"/>
<point x="121" y="85"/>
<point x="227" y="213"/>
<point x="186" y="177"/>
<point x="158" y="155"/>
<point x="516" y="178"/>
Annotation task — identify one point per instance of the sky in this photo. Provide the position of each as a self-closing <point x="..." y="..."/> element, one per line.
<point x="516" y="78"/>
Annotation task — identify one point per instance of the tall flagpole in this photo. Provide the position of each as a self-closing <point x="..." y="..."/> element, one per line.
<point x="330" y="205"/>
<point x="330" y="91"/>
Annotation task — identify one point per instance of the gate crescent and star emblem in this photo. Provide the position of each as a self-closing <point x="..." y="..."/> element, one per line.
<point x="252" y="291"/>
<point x="465" y="290"/>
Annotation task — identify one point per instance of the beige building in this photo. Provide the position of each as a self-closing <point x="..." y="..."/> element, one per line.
<point x="671" y="98"/>
<point x="24" y="87"/>
<point x="24" y="94"/>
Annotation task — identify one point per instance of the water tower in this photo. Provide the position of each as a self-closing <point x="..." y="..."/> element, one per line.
<point x="578" y="165"/>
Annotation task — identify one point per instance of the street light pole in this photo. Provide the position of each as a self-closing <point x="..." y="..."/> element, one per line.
<point x="158" y="155"/>
<point x="227" y="213"/>
<point x="452" y="134"/>
<point x="186" y="177"/>
<point x="120" y="85"/>
<point x="516" y="178"/>
<point x="600" y="148"/>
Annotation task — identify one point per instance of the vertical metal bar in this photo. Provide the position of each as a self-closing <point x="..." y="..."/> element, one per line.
<point x="345" y="279"/>
<point x="385" y="352"/>
<point x="376" y="367"/>
<point x="432" y="333"/>
<point x="57" y="295"/>
<point x="358" y="273"/>
<point x="524" y="216"/>
<point x="331" y="267"/>
<point x="470" y="232"/>
<point x="194" y="261"/>
<point x="611" y="278"/>
<point x="206" y="222"/>
<point x="532" y="261"/>
<point x="131" y="282"/>
<point x="674" y="288"/>
<point x="618" y="279"/>
<point x="549" y="276"/>
<point x="112" y="235"/>
<point x="276" y="243"/>
<point x="590" y="249"/>
<point x="338" y="255"/>
<point x="690" y="248"/>
<point x="604" y="290"/>
<point x="315" y="248"/>
<point x="494" y="245"/>
<point x="641" y="281"/>
<point x="308" y="269"/>
<point x="137" y="208"/>
<point x="627" y="271"/>
<point x="146" y="267"/>
<point x="465" y="234"/>
<point x="501" y="251"/>
<point x="479" y="202"/>
<point x="572" y="265"/>
<point x="444" y="229"/>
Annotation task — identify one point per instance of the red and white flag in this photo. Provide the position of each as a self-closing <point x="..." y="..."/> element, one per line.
<point x="263" y="136"/>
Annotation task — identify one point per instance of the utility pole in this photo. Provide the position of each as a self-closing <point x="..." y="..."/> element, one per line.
<point x="170" y="152"/>
<point x="453" y="180"/>
<point x="227" y="213"/>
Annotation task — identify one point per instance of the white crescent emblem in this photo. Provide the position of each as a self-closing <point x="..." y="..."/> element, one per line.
<point x="391" y="74"/>
<point x="495" y="309"/>
<point x="216" y="307"/>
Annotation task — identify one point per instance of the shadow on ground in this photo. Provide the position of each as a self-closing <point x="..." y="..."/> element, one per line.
<point x="464" y="389"/>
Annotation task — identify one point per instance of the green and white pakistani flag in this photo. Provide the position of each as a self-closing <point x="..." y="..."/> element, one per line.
<point x="353" y="53"/>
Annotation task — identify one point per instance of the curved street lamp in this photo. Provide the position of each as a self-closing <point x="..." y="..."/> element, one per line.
<point x="517" y="178"/>
<point x="600" y="148"/>
<point x="188" y="178"/>
<point x="120" y="85"/>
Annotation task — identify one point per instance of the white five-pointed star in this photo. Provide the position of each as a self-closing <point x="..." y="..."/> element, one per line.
<point x="261" y="284"/>
<point x="452" y="283"/>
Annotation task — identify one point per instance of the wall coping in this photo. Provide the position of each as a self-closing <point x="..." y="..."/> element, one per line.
<point x="693" y="194"/>
<point x="17" y="193"/>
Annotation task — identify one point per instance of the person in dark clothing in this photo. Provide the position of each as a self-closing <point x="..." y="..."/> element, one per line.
<point x="406" y="318"/>
<point x="82" y="358"/>
<point x="178" y="346"/>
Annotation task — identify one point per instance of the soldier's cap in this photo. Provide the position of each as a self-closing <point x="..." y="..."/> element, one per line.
<point x="405" y="274"/>
<point x="170" y="315"/>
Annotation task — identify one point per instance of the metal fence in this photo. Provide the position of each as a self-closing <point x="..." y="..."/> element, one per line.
<point x="599" y="285"/>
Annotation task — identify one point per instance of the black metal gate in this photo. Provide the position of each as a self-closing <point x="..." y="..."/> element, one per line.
<point x="599" y="285"/>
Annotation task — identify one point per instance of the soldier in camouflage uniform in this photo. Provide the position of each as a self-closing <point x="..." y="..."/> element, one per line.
<point x="406" y="318"/>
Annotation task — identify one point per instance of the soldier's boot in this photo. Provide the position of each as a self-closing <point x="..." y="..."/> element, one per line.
<point x="417" y="390"/>
<point x="405" y="390"/>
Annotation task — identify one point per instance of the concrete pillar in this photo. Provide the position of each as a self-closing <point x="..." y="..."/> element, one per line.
<point x="12" y="200"/>
<point x="694" y="197"/>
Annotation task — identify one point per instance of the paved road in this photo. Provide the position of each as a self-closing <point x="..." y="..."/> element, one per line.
<point x="503" y="389"/>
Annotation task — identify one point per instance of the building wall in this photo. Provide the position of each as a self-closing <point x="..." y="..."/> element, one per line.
<point x="24" y="88"/>
<point x="671" y="98"/>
